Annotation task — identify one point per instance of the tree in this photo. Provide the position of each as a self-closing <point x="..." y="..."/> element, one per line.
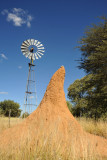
<point x="8" y="105"/>
<point x="69" y="106"/>
<point x="77" y="93"/>
<point x="80" y="93"/>
<point x="74" y="110"/>
<point x="25" y="115"/>
<point x="94" y="61"/>
<point x="93" y="46"/>
<point x="1" y="112"/>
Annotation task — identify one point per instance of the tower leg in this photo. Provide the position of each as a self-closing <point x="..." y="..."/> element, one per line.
<point x="30" y="100"/>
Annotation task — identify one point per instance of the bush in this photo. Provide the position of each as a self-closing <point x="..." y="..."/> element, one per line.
<point x="8" y="105"/>
<point x="24" y="115"/>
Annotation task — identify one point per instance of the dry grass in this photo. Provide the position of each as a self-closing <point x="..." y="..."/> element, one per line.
<point x="4" y="122"/>
<point x="89" y="125"/>
<point x="47" y="150"/>
<point x="94" y="127"/>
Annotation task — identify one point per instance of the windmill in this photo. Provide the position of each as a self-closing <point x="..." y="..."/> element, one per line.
<point x="32" y="49"/>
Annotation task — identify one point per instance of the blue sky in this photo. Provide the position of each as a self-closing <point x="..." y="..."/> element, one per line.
<point x="58" y="25"/>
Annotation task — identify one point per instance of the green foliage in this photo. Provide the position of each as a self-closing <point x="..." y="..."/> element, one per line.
<point x="8" y="105"/>
<point x="1" y="112"/>
<point x="24" y="115"/>
<point x="70" y="106"/>
<point x="74" y="110"/>
<point x="77" y="93"/>
<point x="89" y="94"/>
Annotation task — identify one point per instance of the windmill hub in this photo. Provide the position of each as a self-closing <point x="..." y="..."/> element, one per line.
<point x="31" y="50"/>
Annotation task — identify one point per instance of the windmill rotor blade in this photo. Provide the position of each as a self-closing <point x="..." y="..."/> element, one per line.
<point x="22" y="47"/>
<point x="33" y="57"/>
<point x="35" y="42"/>
<point x="32" y="41"/>
<point x="25" y="51"/>
<point x="38" y="55"/>
<point x="41" y="50"/>
<point x="38" y="43"/>
<point x="27" y="54"/>
<point x="30" y="55"/>
<point x="25" y="43"/>
<point x="29" y="41"/>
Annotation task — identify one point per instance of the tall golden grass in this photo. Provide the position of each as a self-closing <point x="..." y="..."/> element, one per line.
<point x="4" y="122"/>
<point x="94" y="127"/>
<point x="47" y="150"/>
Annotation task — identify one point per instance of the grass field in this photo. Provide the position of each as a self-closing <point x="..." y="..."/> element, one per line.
<point x="89" y="125"/>
<point x="94" y="127"/>
<point x="48" y="151"/>
<point x="4" y="122"/>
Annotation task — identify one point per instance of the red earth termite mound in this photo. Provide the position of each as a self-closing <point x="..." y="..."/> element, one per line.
<point x="52" y="122"/>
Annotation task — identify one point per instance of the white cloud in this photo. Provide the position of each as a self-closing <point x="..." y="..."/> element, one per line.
<point x="3" y="56"/>
<point x="28" y="24"/>
<point x="18" y="10"/>
<point x="4" y="12"/>
<point x="18" y="16"/>
<point x="3" y="92"/>
<point x="18" y="21"/>
<point x="20" y="67"/>
<point x="30" y="18"/>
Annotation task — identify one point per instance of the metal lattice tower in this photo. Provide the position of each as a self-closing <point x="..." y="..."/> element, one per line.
<point x="32" y="49"/>
<point x="30" y="100"/>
